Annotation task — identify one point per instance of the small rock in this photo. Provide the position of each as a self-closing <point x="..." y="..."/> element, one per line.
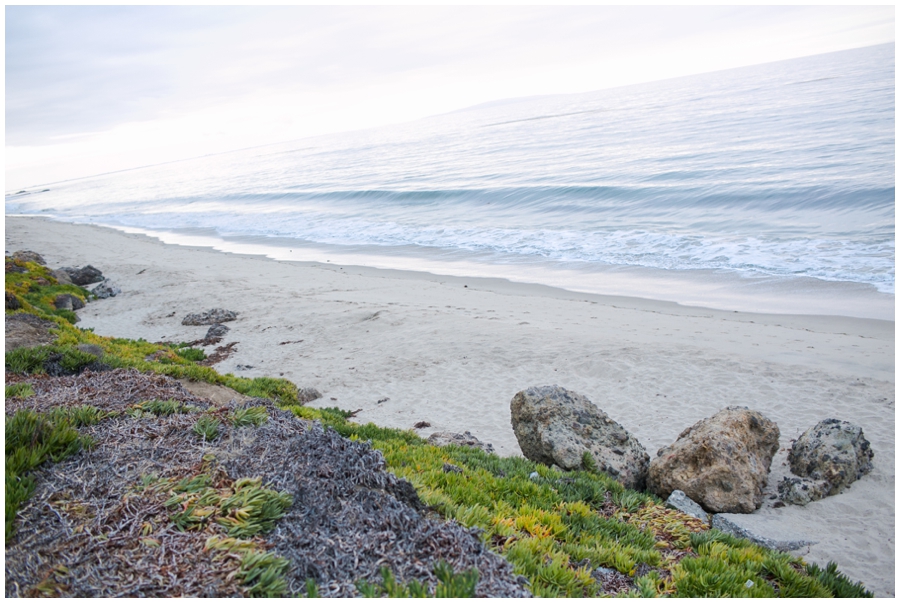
<point x="422" y="425"/>
<point x="449" y="468"/>
<point x="12" y="302"/>
<point x="105" y="290"/>
<point x="760" y="530"/>
<point x="307" y="394"/>
<point x="443" y="438"/>
<point x="243" y="367"/>
<point x="217" y="330"/>
<point x="84" y="276"/>
<point x="721" y="462"/>
<point x="680" y="501"/>
<point x="29" y="256"/>
<point x="67" y="301"/>
<point x="210" y="317"/>
<point x="833" y="452"/>
<point x="801" y="490"/>
<point x="62" y="277"/>
<point x="534" y="476"/>
<point x="556" y="426"/>
<point x="93" y="350"/>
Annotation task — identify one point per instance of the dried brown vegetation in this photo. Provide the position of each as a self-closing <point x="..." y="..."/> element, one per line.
<point x="96" y="525"/>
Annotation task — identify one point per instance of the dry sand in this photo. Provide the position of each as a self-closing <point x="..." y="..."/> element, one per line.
<point x="406" y="347"/>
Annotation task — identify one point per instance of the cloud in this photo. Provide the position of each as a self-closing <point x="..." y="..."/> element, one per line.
<point x="212" y="78"/>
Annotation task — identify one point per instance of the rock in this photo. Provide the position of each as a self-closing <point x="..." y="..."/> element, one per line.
<point x="834" y="452"/>
<point x="27" y="331"/>
<point x="67" y="301"/>
<point x="210" y="317"/>
<point x="307" y="394"/>
<point x="801" y="490"/>
<point x="29" y="256"/>
<point x="722" y="462"/>
<point x="12" y="302"/>
<point x="762" y="530"/>
<point x="216" y="331"/>
<point x="443" y="438"/>
<point x="680" y="501"/>
<point x="217" y="394"/>
<point x="554" y="425"/>
<point x="106" y="289"/>
<point x="62" y="277"/>
<point x="84" y="276"/>
<point x="93" y="350"/>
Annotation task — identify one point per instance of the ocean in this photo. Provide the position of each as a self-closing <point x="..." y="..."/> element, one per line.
<point x="765" y="188"/>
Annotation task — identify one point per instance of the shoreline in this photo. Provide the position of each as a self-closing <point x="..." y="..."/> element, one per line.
<point x="409" y="346"/>
<point x="705" y="289"/>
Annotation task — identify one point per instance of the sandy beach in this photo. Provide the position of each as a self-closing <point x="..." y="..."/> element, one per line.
<point x="404" y="347"/>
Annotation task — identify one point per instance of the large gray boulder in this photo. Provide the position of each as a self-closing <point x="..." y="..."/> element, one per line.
<point x="828" y="457"/>
<point x="557" y="426"/>
<point x="721" y="462"/>
<point x="210" y="317"/>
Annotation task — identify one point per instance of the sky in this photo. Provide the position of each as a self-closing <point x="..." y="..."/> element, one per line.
<point x="97" y="89"/>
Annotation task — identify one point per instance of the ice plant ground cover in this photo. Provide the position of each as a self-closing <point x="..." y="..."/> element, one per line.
<point x="220" y="502"/>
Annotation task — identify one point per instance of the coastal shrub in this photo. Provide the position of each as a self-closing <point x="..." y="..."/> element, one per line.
<point x="19" y="390"/>
<point x="244" y="508"/>
<point x="31" y="439"/>
<point x="192" y="354"/>
<point x="207" y="428"/>
<point x="79" y="415"/>
<point x="255" y="415"/>
<point x="264" y="573"/>
<point x="43" y="298"/>
<point x="449" y="585"/>
<point x="54" y="360"/>
<point x="836" y="582"/>
<point x="159" y="408"/>
<point x="555" y="526"/>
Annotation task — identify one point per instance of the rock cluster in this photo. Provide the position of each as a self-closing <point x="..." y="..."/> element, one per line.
<point x="828" y="457"/>
<point x="210" y="317"/>
<point x="721" y="462"/>
<point x="719" y="465"/>
<point x="556" y="426"/>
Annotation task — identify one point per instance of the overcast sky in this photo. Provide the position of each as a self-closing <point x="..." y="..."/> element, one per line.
<point x="98" y="89"/>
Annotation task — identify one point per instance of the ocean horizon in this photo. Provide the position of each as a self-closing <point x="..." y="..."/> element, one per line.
<point x="767" y="188"/>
